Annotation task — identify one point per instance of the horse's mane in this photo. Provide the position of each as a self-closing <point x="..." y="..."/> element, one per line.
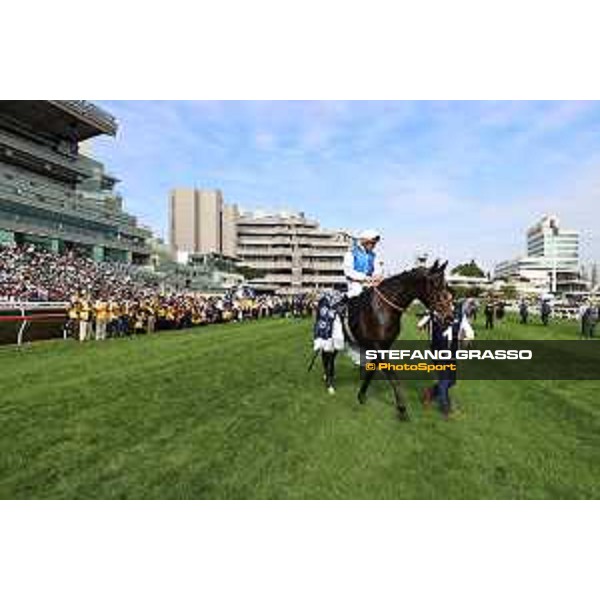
<point x="364" y="300"/>
<point x="404" y="275"/>
<point x="390" y="285"/>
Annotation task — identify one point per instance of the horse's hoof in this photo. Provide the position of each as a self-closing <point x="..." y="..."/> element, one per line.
<point x="361" y="398"/>
<point x="331" y="390"/>
<point x="403" y="415"/>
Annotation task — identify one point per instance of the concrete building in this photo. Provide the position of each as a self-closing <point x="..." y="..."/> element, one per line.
<point x="52" y="195"/>
<point x="547" y="240"/>
<point x="552" y="260"/>
<point x="292" y="253"/>
<point x="466" y="281"/>
<point x="230" y="219"/>
<point x="196" y="221"/>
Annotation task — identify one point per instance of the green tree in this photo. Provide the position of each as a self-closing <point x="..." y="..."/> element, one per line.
<point x="509" y="292"/>
<point x="470" y="291"/>
<point x="250" y="272"/>
<point x="470" y="269"/>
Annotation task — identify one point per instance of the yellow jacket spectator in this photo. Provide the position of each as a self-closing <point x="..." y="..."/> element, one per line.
<point x="84" y="316"/>
<point x="101" y="314"/>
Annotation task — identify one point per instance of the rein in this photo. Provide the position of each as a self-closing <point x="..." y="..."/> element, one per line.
<point x="387" y="300"/>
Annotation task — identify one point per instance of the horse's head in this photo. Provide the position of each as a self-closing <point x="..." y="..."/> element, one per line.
<point x="434" y="293"/>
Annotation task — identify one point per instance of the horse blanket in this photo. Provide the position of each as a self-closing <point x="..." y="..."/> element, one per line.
<point x="328" y="333"/>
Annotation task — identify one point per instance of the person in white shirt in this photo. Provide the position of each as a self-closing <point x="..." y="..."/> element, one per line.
<point x="465" y="330"/>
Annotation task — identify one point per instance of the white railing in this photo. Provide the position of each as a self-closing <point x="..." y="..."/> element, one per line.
<point x="24" y="319"/>
<point x="19" y="304"/>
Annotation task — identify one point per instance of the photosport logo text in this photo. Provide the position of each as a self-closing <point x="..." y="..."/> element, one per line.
<point x="498" y="354"/>
<point x="486" y="360"/>
<point x="443" y="360"/>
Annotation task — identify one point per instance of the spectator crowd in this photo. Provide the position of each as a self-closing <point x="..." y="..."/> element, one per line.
<point x="34" y="275"/>
<point x="116" y="300"/>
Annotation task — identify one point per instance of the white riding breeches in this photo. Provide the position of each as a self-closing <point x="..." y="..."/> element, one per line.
<point x="355" y="288"/>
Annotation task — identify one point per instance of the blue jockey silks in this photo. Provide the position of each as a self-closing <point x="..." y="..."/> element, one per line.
<point x="364" y="261"/>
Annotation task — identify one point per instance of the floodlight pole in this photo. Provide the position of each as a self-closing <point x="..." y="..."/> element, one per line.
<point x="554" y="236"/>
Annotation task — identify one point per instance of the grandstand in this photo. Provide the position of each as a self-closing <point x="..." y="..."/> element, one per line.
<point x="53" y="196"/>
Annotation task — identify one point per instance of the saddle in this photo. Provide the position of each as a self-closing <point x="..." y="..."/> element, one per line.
<point x="349" y="310"/>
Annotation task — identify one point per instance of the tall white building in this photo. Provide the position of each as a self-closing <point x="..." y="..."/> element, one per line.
<point x="552" y="259"/>
<point x="547" y="240"/>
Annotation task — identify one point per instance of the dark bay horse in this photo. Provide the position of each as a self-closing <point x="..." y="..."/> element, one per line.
<point x="375" y="318"/>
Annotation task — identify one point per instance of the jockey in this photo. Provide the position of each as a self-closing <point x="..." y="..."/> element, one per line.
<point x="361" y="266"/>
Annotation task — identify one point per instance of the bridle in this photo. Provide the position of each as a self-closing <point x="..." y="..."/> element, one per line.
<point x="381" y="295"/>
<point x="391" y="304"/>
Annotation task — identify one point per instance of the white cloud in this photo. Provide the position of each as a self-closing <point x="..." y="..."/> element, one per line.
<point x="461" y="180"/>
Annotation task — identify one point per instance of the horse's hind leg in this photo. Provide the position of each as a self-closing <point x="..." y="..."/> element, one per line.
<point x="398" y="396"/>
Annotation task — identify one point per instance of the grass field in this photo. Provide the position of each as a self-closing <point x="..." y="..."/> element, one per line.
<point x="229" y="411"/>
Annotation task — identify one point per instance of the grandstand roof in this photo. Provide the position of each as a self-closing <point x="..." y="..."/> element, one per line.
<point x="75" y="119"/>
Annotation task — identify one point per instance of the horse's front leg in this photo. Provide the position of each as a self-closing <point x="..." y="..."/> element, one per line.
<point x="366" y="382"/>
<point x="398" y="396"/>
<point x="362" y="392"/>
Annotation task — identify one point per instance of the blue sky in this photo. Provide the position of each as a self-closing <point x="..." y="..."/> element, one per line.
<point x="459" y="180"/>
